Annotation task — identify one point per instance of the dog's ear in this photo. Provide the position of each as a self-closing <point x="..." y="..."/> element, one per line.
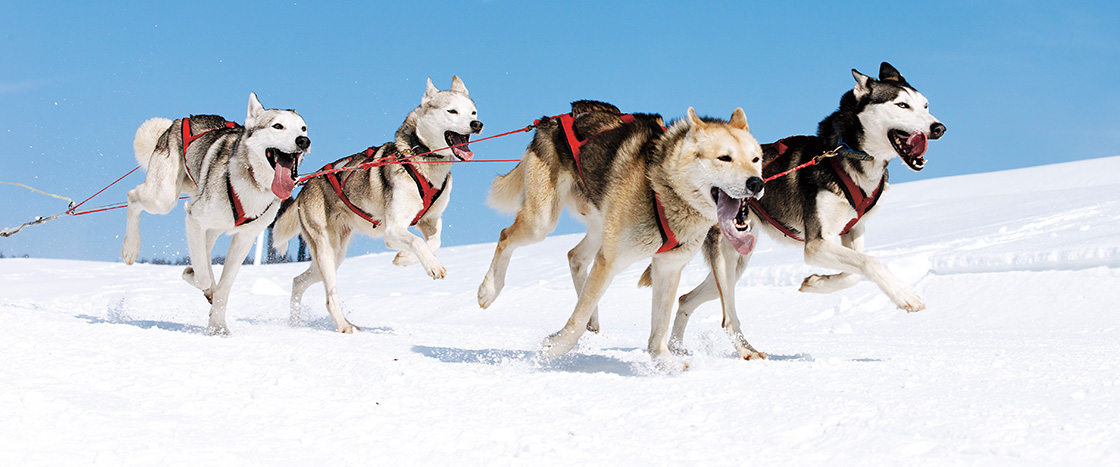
<point x="458" y="86"/>
<point x="429" y="93"/>
<point x="863" y="84"/>
<point x="889" y="73"/>
<point x="694" y="120"/>
<point x="255" y="108"/>
<point x="739" y="119"/>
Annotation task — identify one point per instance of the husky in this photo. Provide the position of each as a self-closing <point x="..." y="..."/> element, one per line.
<point x="877" y="121"/>
<point x="236" y="176"/>
<point x="409" y="184"/>
<point x="643" y="190"/>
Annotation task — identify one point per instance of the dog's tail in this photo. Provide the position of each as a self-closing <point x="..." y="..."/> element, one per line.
<point x="506" y="191"/>
<point x="647" y="277"/>
<point x="286" y="225"/>
<point x="146" y="138"/>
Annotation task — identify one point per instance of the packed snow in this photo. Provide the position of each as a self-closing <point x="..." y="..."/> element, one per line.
<point x="1014" y="362"/>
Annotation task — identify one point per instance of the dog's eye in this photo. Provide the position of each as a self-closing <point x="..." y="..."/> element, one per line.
<point x="278" y="126"/>
<point x="725" y="158"/>
<point x="302" y="128"/>
<point x="755" y="160"/>
<point x="903" y="105"/>
<point x="475" y="112"/>
<point x="453" y="112"/>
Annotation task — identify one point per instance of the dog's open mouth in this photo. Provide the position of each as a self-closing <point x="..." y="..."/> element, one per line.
<point x="286" y="167"/>
<point x="733" y="221"/>
<point x="459" y="146"/>
<point x="910" y="146"/>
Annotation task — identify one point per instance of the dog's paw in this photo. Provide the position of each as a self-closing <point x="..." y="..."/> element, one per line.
<point x="131" y="249"/>
<point x="405" y="258"/>
<point x="487" y="293"/>
<point x="217" y="330"/>
<point x="192" y="279"/>
<point x="668" y="364"/>
<point x="827" y="284"/>
<point x="558" y="344"/>
<point x="349" y="329"/>
<point x="437" y="271"/>
<point x="910" y="302"/>
<point x="755" y="355"/>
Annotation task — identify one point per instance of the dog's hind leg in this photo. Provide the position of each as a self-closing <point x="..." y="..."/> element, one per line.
<point x="579" y="261"/>
<point x="537" y="217"/>
<point x="327" y="258"/>
<point x="158" y="194"/>
<point x="602" y="272"/>
<point x="299" y="285"/>
<point x="238" y="248"/>
<point x="829" y="283"/>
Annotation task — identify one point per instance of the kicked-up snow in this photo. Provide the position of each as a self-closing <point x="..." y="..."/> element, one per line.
<point x="1014" y="362"/>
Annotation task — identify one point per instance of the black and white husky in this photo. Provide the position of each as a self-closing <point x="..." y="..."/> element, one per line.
<point x="236" y="177"/>
<point x="878" y="120"/>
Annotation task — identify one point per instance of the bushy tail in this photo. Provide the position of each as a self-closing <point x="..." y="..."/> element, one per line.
<point x="146" y="138"/>
<point x="506" y="190"/>
<point x="287" y="224"/>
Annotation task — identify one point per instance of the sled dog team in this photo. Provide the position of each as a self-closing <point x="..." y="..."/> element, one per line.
<point x="646" y="189"/>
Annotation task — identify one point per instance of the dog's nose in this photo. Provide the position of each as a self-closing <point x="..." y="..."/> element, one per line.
<point x="303" y="142"/>
<point x="754" y="185"/>
<point x="476" y="126"/>
<point x="936" y="130"/>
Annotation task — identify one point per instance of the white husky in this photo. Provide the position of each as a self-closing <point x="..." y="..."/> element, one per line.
<point x="383" y="200"/>
<point x="236" y="176"/>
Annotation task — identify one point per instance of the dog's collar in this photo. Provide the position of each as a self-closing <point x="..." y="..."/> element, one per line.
<point x="843" y="150"/>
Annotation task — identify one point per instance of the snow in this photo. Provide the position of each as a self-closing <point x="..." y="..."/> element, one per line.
<point x="1014" y="362"/>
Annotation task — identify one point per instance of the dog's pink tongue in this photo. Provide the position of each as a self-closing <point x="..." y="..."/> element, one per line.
<point x="727" y="208"/>
<point x="917" y="143"/>
<point x="282" y="183"/>
<point x="463" y="152"/>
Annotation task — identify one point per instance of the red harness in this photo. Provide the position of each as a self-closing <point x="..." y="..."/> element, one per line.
<point x="668" y="238"/>
<point x="428" y="192"/>
<point x="857" y="199"/>
<point x="188" y="138"/>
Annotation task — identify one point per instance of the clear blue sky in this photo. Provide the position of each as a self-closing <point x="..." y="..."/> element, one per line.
<point x="1017" y="83"/>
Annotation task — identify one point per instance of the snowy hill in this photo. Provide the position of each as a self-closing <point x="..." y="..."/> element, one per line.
<point x="1014" y="362"/>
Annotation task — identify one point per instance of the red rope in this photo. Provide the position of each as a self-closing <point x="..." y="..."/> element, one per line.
<point x="72" y="208"/>
<point x="812" y="161"/>
<point x="401" y="160"/>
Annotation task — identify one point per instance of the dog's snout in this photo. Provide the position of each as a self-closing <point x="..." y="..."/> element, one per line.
<point x="936" y="130"/>
<point x="303" y="142"/>
<point x="476" y="126"/>
<point x="754" y="185"/>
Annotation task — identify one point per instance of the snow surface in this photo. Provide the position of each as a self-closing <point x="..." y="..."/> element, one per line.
<point x="1014" y="362"/>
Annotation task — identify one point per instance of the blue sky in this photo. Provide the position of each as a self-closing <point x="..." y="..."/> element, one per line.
<point x="1017" y="83"/>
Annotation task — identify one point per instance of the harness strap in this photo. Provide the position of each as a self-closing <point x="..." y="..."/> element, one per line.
<point x="566" y="123"/>
<point x="188" y="138"/>
<point x="857" y="199"/>
<point x="239" y="217"/>
<point x="668" y="238"/>
<point x="428" y="192"/>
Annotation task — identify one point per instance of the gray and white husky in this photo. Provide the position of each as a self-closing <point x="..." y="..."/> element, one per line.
<point x="878" y="120"/>
<point x="236" y="177"/>
<point x="383" y="201"/>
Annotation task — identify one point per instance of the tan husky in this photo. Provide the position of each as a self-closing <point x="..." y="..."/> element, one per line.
<point x="643" y="190"/>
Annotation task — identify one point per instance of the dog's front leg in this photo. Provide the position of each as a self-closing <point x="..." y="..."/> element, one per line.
<point x="430" y="228"/>
<point x="831" y="255"/>
<point x="200" y="242"/>
<point x="398" y="237"/>
<point x="579" y="262"/>
<point x="828" y="283"/>
<point x="666" y="275"/>
<point x="238" y="248"/>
